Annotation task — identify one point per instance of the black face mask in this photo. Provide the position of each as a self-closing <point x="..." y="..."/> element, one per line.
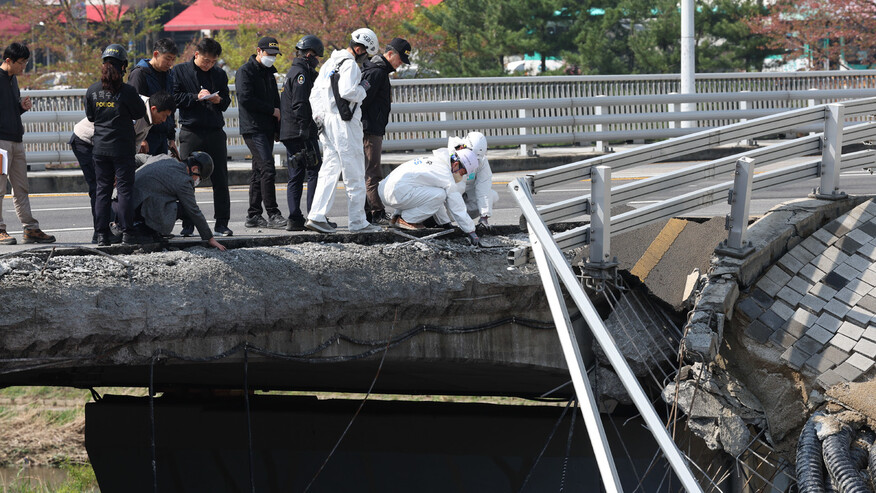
<point x="361" y="58"/>
<point x="312" y="61"/>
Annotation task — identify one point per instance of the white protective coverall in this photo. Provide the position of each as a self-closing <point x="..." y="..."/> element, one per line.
<point x="421" y="187"/>
<point x="341" y="141"/>
<point x="477" y="188"/>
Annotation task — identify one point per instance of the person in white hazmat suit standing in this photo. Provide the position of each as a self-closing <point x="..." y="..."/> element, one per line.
<point x="477" y="188"/>
<point x="335" y="99"/>
<point x="419" y="188"/>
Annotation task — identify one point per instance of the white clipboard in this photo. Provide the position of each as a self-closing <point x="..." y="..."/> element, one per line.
<point x="4" y="162"/>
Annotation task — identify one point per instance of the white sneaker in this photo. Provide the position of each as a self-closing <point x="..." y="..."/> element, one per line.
<point x="319" y="226"/>
<point x="369" y="228"/>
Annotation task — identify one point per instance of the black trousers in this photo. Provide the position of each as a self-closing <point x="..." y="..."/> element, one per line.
<point x="297" y="177"/>
<point x="262" y="181"/>
<point x="83" y="152"/>
<point x="213" y="142"/>
<point x="121" y="170"/>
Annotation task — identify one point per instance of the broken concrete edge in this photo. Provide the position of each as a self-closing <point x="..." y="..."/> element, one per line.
<point x="387" y="236"/>
<point x="772" y="236"/>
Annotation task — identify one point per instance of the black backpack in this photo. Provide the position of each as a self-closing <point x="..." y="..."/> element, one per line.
<point x="344" y="108"/>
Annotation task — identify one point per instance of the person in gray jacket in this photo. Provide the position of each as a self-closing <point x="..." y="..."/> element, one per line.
<point x="164" y="191"/>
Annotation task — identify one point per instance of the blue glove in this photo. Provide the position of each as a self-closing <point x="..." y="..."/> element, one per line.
<point x="473" y="239"/>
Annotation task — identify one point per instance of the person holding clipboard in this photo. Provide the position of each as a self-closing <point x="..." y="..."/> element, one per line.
<point x="201" y="92"/>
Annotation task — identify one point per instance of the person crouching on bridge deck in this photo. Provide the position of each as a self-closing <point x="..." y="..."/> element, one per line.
<point x="477" y="188"/>
<point x="423" y="187"/>
<point x="335" y="99"/>
<point x="164" y="191"/>
<point x="113" y="106"/>
<point x="161" y="105"/>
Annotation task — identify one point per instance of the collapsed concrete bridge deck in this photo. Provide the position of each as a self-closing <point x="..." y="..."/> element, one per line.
<point x="307" y="313"/>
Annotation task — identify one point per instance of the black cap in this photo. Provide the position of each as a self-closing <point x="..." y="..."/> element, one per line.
<point x="269" y="45"/>
<point x="402" y="47"/>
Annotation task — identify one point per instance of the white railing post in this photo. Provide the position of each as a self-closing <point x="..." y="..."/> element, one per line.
<point x="810" y="103"/>
<point x="831" y="153"/>
<point x="524" y="114"/>
<point x="577" y="369"/>
<point x="558" y="265"/>
<point x="673" y="110"/>
<point x="745" y="105"/>
<point x="740" y="201"/>
<point x="600" y="216"/>
<point x="445" y="117"/>
<point x="601" y="145"/>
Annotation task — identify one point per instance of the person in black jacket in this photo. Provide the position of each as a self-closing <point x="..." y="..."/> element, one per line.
<point x="259" y="103"/>
<point x="12" y="105"/>
<point x="149" y="77"/>
<point x="113" y="106"/>
<point x="298" y="131"/>
<point x="201" y="92"/>
<point x="375" y="116"/>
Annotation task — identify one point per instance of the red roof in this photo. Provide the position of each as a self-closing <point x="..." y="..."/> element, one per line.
<point x="95" y="13"/>
<point x="203" y="14"/>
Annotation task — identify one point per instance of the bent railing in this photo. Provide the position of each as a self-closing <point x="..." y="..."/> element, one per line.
<point x="832" y="119"/>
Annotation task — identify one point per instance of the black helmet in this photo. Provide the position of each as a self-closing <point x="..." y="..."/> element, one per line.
<point x="310" y="42"/>
<point x="115" y="51"/>
<point x="203" y="161"/>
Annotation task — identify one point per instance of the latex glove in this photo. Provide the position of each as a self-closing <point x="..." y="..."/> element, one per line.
<point x="364" y="83"/>
<point x="473" y="239"/>
<point x="483" y="225"/>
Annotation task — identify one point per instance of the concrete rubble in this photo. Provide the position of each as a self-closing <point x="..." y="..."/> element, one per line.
<point x="718" y="406"/>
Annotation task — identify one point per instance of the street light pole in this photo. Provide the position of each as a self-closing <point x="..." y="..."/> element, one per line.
<point x="688" y="58"/>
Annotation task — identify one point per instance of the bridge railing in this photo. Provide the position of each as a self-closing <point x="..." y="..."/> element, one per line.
<point x="831" y="118"/>
<point x="526" y="111"/>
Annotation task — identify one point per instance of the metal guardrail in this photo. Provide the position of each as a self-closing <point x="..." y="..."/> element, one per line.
<point x="831" y="118"/>
<point x="526" y="111"/>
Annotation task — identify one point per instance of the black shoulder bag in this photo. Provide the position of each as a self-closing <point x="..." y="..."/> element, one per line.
<point x="344" y="108"/>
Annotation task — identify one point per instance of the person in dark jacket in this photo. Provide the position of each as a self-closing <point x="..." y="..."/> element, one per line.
<point x="12" y="105"/>
<point x="375" y="116"/>
<point x="259" y="103"/>
<point x="201" y="92"/>
<point x="149" y="77"/>
<point x="164" y="190"/>
<point x="298" y="131"/>
<point x="113" y="106"/>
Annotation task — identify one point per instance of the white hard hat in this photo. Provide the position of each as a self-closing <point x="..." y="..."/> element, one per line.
<point x="477" y="142"/>
<point x="368" y="39"/>
<point x="468" y="158"/>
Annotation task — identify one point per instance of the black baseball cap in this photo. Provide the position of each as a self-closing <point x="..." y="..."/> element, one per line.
<point x="402" y="47"/>
<point x="269" y="45"/>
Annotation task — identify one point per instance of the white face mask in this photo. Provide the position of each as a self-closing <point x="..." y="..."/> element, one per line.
<point x="197" y="180"/>
<point x="268" y="61"/>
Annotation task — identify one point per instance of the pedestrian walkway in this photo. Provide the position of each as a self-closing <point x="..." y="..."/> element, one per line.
<point x="817" y="304"/>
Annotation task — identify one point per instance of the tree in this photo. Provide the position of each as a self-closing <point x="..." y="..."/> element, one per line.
<point x="74" y="43"/>
<point x="331" y="20"/>
<point x="638" y="36"/>
<point x="819" y="30"/>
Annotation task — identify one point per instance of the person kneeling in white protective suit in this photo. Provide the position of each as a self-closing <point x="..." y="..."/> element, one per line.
<point x="477" y="188"/>
<point x="421" y="187"/>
